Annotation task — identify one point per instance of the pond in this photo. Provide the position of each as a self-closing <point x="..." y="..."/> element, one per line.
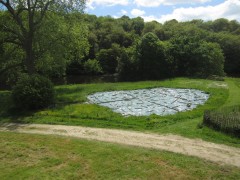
<point x="144" y="102"/>
<point x="73" y="79"/>
<point x="84" y="79"/>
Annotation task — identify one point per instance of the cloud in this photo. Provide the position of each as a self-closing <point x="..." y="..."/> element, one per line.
<point x="137" y="12"/>
<point x="156" y="3"/>
<point x="92" y="3"/>
<point x="123" y="12"/>
<point x="228" y="9"/>
<point x="150" y="18"/>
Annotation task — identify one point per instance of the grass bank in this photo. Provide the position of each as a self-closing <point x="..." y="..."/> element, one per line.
<point x="71" y="109"/>
<point x="25" y="156"/>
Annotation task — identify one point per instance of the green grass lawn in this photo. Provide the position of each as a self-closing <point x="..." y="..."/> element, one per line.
<point x="71" y="109"/>
<point x="24" y="156"/>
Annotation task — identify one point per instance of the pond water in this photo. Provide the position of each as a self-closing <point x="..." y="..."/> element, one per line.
<point x="84" y="79"/>
<point x="144" y="102"/>
<point x="73" y="79"/>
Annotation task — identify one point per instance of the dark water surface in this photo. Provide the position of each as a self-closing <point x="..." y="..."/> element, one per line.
<point x="83" y="79"/>
<point x="73" y="79"/>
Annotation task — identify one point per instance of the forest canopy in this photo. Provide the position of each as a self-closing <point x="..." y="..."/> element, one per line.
<point x="76" y="43"/>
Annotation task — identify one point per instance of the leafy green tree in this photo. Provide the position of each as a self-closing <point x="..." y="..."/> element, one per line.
<point x="108" y="58"/>
<point x="207" y="60"/>
<point x="150" y="26"/>
<point x="92" y="67"/>
<point x="128" y="65"/>
<point x="125" y="22"/>
<point x="196" y="58"/>
<point x="230" y="45"/>
<point x="153" y="63"/>
<point x="26" y="18"/>
<point x="138" y="25"/>
<point x="220" y="25"/>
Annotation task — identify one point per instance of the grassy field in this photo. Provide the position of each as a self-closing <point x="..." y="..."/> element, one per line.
<point x="71" y="109"/>
<point x="24" y="156"/>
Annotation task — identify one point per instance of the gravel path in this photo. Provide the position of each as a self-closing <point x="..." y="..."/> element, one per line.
<point x="218" y="153"/>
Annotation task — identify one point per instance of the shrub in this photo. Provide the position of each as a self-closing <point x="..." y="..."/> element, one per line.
<point x="33" y="92"/>
<point x="225" y="119"/>
<point x="108" y="58"/>
<point x="92" y="66"/>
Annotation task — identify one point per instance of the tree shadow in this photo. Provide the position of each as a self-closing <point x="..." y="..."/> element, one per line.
<point x="13" y="126"/>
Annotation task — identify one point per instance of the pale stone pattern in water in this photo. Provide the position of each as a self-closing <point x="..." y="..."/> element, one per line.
<point x="144" y="102"/>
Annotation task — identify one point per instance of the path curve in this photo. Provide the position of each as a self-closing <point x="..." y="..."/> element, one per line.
<point x="218" y="153"/>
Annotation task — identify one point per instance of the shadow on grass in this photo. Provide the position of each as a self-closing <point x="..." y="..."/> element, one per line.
<point x="9" y="113"/>
<point x="12" y="126"/>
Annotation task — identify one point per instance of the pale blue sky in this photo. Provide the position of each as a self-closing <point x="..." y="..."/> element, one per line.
<point x="162" y="10"/>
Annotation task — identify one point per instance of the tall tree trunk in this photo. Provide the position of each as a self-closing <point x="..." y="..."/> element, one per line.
<point x="30" y="59"/>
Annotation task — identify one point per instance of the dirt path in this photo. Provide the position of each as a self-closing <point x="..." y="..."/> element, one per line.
<point x="221" y="154"/>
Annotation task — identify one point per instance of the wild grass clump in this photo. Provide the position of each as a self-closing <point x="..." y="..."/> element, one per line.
<point x="226" y="119"/>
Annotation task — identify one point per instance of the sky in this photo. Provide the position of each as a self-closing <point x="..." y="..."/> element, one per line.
<point x="164" y="10"/>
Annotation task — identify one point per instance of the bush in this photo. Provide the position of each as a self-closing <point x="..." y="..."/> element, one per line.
<point x="226" y="119"/>
<point x="108" y="58"/>
<point x="92" y="66"/>
<point x="33" y="92"/>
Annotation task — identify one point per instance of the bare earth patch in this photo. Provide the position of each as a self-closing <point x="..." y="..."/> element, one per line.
<point x="218" y="153"/>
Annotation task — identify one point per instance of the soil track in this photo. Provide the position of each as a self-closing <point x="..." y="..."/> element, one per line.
<point x="218" y="153"/>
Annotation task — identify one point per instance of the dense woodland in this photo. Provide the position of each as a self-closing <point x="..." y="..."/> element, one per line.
<point x="77" y="43"/>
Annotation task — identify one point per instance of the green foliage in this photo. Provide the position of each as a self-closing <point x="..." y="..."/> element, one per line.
<point x="92" y="66"/>
<point x="44" y="41"/>
<point x="108" y="58"/>
<point x="196" y="58"/>
<point x="230" y="45"/>
<point x="225" y="119"/>
<point x="128" y="65"/>
<point x="152" y="58"/>
<point x="68" y="40"/>
<point x="57" y="49"/>
<point x="33" y="92"/>
<point x="138" y="25"/>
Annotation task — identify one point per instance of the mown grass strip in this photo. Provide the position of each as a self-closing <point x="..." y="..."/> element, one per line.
<point x="26" y="156"/>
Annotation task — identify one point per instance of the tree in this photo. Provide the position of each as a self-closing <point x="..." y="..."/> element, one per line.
<point x="138" y="25"/>
<point x="108" y="58"/>
<point x="150" y="26"/>
<point x="27" y="17"/>
<point x="128" y="65"/>
<point x="153" y="63"/>
<point x="230" y="45"/>
<point x="196" y="58"/>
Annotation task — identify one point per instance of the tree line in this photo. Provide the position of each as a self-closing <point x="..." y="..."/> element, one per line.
<point x="71" y="42"/>
<point x="136" y="50"/>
